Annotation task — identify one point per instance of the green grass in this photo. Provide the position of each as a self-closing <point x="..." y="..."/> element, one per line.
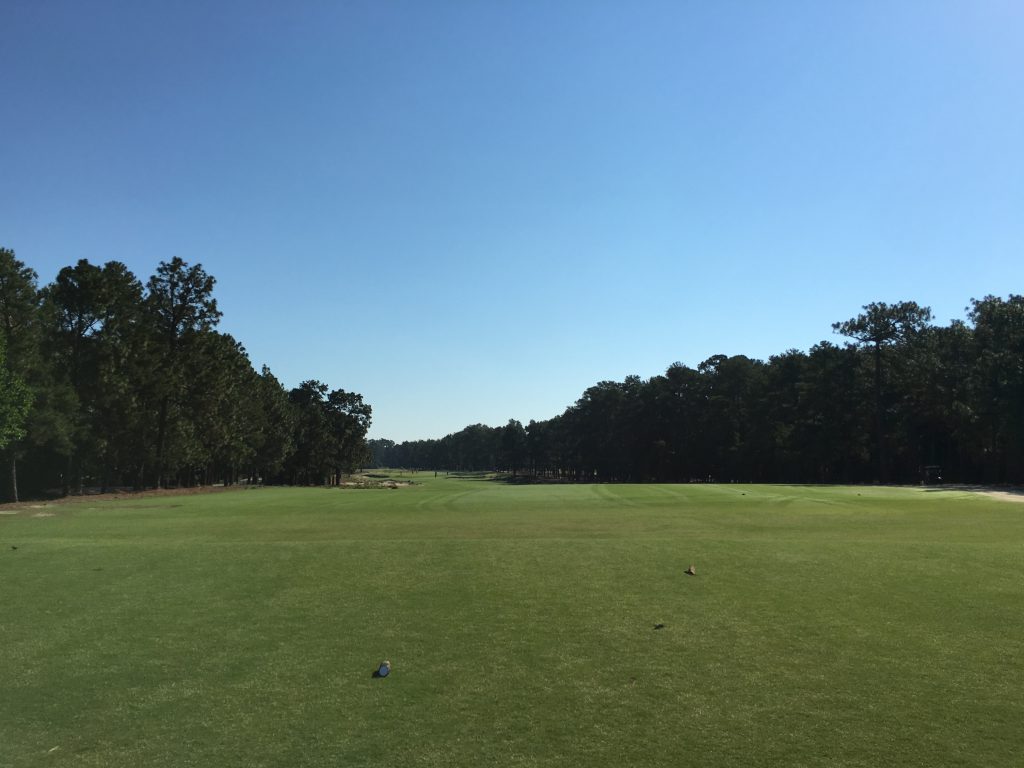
<point x="825" y="627"/>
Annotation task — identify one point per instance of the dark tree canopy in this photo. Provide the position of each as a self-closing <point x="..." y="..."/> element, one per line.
<point x="106" y="383"/>
<point x="882" y="324"/>
<point x="905" y="402"/>
<point x="15" y="401"/>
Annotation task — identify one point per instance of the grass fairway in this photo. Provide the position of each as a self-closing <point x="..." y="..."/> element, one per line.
<point x="824" y="627"/>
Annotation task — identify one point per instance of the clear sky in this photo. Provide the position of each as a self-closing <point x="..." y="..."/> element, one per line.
<point x="472" y="211"/>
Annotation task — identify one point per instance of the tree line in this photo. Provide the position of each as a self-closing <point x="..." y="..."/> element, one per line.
<point x="108" y="382"/>
<point x="901" y="400"/>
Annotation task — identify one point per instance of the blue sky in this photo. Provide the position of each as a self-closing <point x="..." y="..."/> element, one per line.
<point x="471" y="211"/>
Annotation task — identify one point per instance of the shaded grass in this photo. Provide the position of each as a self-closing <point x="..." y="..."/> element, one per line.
<point x="826" y="626"/>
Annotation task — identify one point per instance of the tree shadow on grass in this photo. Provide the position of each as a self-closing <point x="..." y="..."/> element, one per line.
<point x="474" y="476"/>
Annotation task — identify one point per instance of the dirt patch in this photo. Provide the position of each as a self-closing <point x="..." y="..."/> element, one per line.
<point x="1004" y="493"/>
<point x="374" y="481"/>
<point x="11" y="508"/>
<point x="384" y="484"/>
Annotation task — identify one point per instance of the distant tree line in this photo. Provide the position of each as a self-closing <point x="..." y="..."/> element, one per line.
<point x="903" y="400"/>
<point x="107" y="382"/>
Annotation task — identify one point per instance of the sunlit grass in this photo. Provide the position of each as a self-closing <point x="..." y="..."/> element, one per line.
<point x="825" y="626"/>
